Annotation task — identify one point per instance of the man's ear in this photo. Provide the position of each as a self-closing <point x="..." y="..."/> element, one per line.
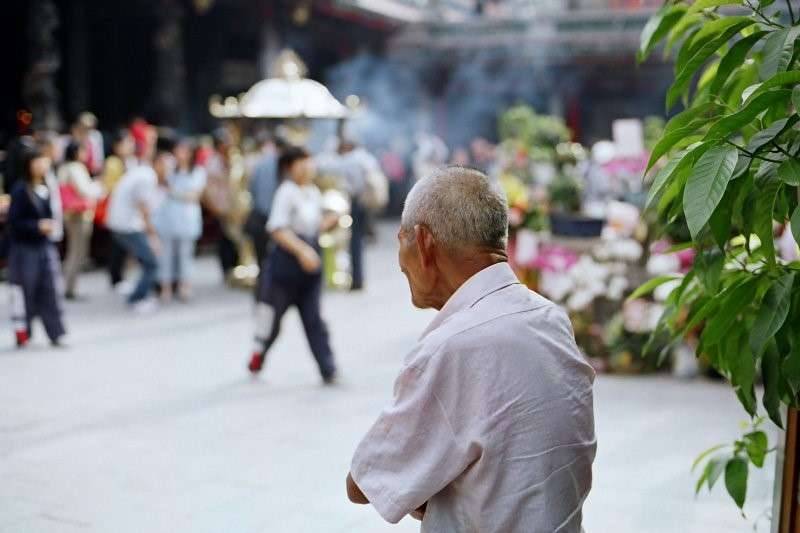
<point x="425" y="244"/>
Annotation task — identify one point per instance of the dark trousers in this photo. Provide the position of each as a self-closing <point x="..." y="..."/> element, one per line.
<point x="35" y="268"/>
<point x="256" y="229"/>
<point x="227" y="253"/>
<point x="116" y="261"/>
<point x="357" y="233"/>
<point x="278" y="298"/>
<point x="138" y="246"/>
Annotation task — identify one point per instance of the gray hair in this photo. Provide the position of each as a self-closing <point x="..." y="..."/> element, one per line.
<point x="460" y="207"/>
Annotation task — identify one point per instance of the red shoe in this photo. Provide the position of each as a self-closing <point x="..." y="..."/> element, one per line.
<point x="22" y="338"/>
<point x="256" y="362"/>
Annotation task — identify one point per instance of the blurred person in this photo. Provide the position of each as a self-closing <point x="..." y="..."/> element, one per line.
<point x="262" y="186"/>
<point x="84" y="131"/>
<point x="121" y="158"/>
<point x="50" y="146"/>
<point x="130" y="218"/>
<point x="79" y="194"/>
<point x="460" y="157"/>
<point x="293" y="274"/>
<point x="430" y="153"/>
<point x="491" y="427"/>
<point x="33" y="263"/>
<point x="357" y="163"/>
<point x="180" y="222"/>
<point x="218" y="199"/>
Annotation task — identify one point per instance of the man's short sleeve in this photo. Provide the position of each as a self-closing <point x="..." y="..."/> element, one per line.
<point x="411" y="453"/>
<point x="280" y="215"/>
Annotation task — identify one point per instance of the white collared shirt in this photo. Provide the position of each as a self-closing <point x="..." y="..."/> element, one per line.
<point x="298" y="208"/>
<point x="492" y="421"/>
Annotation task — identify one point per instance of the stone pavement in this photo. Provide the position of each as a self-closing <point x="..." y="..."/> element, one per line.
<point x="151" y="424"/>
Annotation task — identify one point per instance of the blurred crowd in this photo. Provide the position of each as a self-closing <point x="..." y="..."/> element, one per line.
<point x="146" y="195"/>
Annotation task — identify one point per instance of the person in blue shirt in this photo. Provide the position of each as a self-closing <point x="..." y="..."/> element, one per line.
<point x="262" y="186"/>
<point x="180" y="223"/>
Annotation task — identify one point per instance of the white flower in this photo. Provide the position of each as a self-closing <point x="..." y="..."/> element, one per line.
<point x="580" y="300"/>
<point x="661" y="264"/>
<point x="663" y="291"/>
<point x="616" y="287"/>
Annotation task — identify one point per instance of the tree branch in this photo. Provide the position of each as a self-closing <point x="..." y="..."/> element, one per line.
<point x="750" y="154"/>
<point x="781" y="150"/>
<point x="761" y="15"/>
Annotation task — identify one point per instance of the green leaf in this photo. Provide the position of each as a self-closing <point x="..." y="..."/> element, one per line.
<point x="770" y="372"/>
<point x="795" y="224"/>
<point x="736" y="480"/>
<point x="732" y="302"/>
<point x="756" y="446"/>
<point x="742" y="370"/>
<point x="766" y="136"/>
<point x="709" y="269"/>
<point x="720" y="31"/>
<point x="697" y="114"/>
<point x="661" y="179"/>
<point x="650" y="286"/>
<point x="679" y="30"/>
<point x="734" y="59"/>
<point x="668" y="141"/>
<point x="730" y="124"/>
<point x="778" y="80"/>
<point x="702" y="313"/>
<point x="703" y="479"/>
<point x="706" y="185"/>
<point x="717" y="468"/>
<point x="789" y="171"/>
<point x="777" y="51"/>
<point x="707" y="4"/>
<point x="791" y="369"/>
<point x="796" y="99"/>
<point x="772" y="313"/>
<point x="657" y="28"/>
<point x="721" y="220"/>
<point x="706" y="454"/>
<point x="767" y="186"/>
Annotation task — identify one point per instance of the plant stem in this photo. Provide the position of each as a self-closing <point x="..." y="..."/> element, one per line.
<point x="761" y="15"/>
<point x="781" y="150"/>
<point x="791" y="11"/>
<point x="750" y="154"/>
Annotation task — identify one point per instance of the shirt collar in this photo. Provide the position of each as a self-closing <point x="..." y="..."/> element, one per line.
<point x="480" y="285"/>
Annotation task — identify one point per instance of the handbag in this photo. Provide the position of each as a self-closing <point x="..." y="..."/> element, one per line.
<point x="71" y="202"/>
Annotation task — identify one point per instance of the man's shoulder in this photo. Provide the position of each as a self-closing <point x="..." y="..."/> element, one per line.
<point x="515" y="316"/>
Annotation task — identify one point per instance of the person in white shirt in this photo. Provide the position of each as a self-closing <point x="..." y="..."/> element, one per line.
<point x="491" y="428"/>
<point x="293" y="275"/>
<point x="130" y="218"/>
<point x="81" y="201"/>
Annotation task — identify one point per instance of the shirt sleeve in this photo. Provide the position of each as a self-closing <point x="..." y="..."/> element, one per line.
<point x="281" y="213"/>
<point x="411" y="453"/>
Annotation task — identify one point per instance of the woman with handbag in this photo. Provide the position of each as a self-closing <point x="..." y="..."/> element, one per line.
<point x="34" y="270"/>
<point x="79" y="196"/>
<point x="293" y="270"/>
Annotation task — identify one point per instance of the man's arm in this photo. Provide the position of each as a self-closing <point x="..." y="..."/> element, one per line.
<point x="354" y="493"/>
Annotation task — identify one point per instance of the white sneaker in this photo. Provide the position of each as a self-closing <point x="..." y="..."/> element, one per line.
<point x="148" y="306"/>
<point x="125" y="288"/>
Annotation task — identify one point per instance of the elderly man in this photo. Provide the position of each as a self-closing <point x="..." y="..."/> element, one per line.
<point x="491" y="428"/>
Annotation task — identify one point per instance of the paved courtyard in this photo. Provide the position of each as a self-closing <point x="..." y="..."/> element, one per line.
<point x="151" y="424"/>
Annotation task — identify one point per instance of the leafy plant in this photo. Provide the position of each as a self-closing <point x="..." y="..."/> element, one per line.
<point x="565" y="194"/>
<point x="732" y="172"/>
<point x="521" y="123"/>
